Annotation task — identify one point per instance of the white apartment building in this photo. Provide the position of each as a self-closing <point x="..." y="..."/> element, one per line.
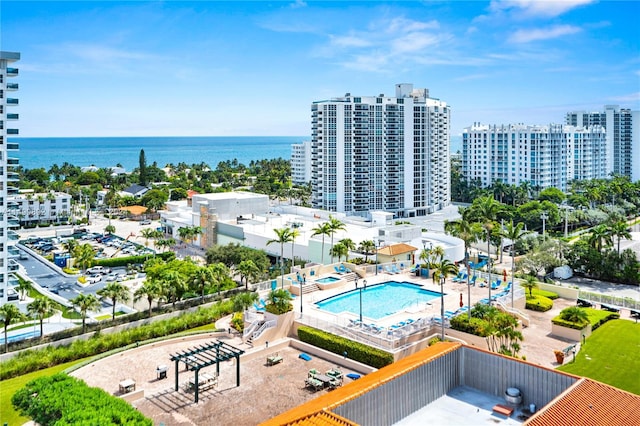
<point x="623" y="137"/>
<point x="301" y="163"/>
<point x="30" y="207"/>
<point x="544" y="156"/>
<point x="8" y="117"/>
<point x="387" y="153"/>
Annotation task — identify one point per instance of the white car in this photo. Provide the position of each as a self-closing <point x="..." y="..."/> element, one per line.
<point x="98" y="270"/>
<point x="94" y="278"/>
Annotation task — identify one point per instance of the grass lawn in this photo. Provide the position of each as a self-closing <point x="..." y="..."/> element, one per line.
<point x="610" y="356"/>
<point x="8" y="387"/>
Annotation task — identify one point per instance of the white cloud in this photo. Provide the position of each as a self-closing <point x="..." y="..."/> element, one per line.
<point x="413" y="42"/>
<point x="401" y="24"/>
<point x="526" y="36"/>
<point x="349" y="41"/>
<point x="546" y="8"/>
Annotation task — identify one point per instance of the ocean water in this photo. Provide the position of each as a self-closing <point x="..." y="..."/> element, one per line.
<point x="107" y="152"/>
<point x="110" y="151"/>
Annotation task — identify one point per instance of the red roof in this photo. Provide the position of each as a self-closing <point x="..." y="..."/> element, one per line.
<point x="590" y="403"/>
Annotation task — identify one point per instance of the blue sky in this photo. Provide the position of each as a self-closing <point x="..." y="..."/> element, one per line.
<point x="209" y="68"/>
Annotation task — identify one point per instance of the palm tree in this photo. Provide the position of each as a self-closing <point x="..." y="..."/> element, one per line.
<point x="338" y="251"/>
<point x="23" y="287"/>
<point x="86" y="303"/>
<point x="322" y="229"/>
<point x="70" y="245"/>
<point x="442" y="270"/>
<point x="220" y="274"/>
<point x="283" y="236"/>
<point x="488" y="210"/>
<point x="248" y="271"/>
<point x="110" y="229"/>
<point x="620" y="229"/>
<point x="203" y="279"/>
<point x="513" y="233"/>
<point x="242" y="301"/>
<point x="147" y="234"/>
<point x="600" y="237"/>
<point x="41" y="307"/>
<point x="150" y="290"/>
<point x="469" y="232"/>
<point x="349" y="244"/>
<point x="574" y="314"/>
<point x="9" y="314"/>
<point x="367" y="247"/>
<point x="334" y="226"/>
<point x="173" y="285"/>
<point x="530" y="282"/>
<point x="84" y="255"/>
<point x="115" y="292"/>
<point x="280" y="300"/>
<point x="295" y="233"/>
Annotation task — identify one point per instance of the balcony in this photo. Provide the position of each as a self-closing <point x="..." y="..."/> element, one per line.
<point x="13" y="266"/>
<point x="12" y="161"/>
<point x="12" y="86"/>
<point x="13" y="131"/>
<point x="13" y="251"/>
<point x="13" y="236"/>
<point x="12" y="146"/>
<point x="12" y="72"/>
<point x="13" y="116"/>
<point x="12" y="101"/>
<point x="13" y="223"/>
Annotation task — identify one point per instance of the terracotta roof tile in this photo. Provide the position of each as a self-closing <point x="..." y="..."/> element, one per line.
<point x="590" y="403"/>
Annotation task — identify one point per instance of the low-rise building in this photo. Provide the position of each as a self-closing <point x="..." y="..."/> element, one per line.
<point x="31" y="207"/>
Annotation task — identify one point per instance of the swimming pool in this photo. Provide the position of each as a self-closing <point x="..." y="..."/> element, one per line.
<point x="327" y="280"/>
<point x="379" y="300"/>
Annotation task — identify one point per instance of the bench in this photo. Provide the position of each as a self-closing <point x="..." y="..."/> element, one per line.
<point x="609" y="308"/>
<point x="274" y="359"/>
<point x="503" y="409"/>
<point x="569" y="349"/>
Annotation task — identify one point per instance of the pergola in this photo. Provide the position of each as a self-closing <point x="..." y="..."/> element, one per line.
<point x="205" y="355"/>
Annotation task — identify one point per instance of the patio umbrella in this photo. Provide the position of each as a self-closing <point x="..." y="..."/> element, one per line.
<point x="504" y="275"/>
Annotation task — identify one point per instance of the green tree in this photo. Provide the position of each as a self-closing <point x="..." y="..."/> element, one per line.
<point x="367" y="247"/>
<point x="530" y="282"/>
<point x="9" y="314"/>
<point x="620" y="229"/>
<point x="323" y="229"/>
<point x="248" y="271"/>
<point x="84" y="255"/>
<point x="283" y="236"/>
<point x="242" y="301"/>
<point x="149" y="290"/>
<point x="86" y="303"/>
<point x="279" y="302"/>
<point x="142" y="168"/>
<point x="488" y="210"/>
<point x="23" y="288"/>
<point x="441" y="270"/>
<point x="335" y="225"/>
<point x="574" y="314"/>
<point x="600" y="237"/>
<point x="514" y="233"/>
<point x="349" y="244"/>
<point x="202" y="280"/>
<point x="338" y="250"/>
<point x="469" y="232"/>
<point x="116" y="292"/>
<point x="40" y="308"/>
<point x="110" y="229"/>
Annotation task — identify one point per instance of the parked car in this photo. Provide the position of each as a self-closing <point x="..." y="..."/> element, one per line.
<point x="94" y="278"/>
<point x="98" y="270"/>
<point x="145" y="222"/>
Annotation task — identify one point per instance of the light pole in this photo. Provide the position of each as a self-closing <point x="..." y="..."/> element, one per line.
<point x="302" y="283"/>
<point x="360" y="289"/>
<point x="377" y="245"/>
<point x="544" y="218"/>
<point x="442" y="278"/>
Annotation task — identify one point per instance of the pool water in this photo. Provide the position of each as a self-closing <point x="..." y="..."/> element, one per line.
<point x="378" y="301"/>
<point x="327" y="280"/>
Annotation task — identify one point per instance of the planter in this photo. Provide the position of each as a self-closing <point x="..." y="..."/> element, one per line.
<point x="559" y="357"/>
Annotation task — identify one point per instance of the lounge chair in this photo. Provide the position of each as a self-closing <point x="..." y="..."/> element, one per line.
<point x="314" y="384"/>
<point x="414" y="268"/>
<point x="260" y="306"/>
<point x="395" y="269"/>
<point x="495" y="285"/>
<point x="389" y="270"/>
<point x="473" y="280"/>
<point x="337" y="270"/>
<point x="274" y="359"/>
<point x="482" y="284"/>
<point x="457" y="277"/>
<point x="343" y="269"/>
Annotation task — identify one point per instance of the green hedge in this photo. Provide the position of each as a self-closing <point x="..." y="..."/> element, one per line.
<point x="548" y="294"/>
<point x="339" y="345"/>
<point x="477" y="326"/>
<point x="124" y="261"/>
<point x="596" y="319"/>
<point x="539" y="303"/>
<point x="32" y="360"/>
<point x="65" y="400"/>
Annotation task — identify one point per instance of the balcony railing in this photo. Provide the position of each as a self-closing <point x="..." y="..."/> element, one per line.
<point x="13" y="131"/>
<point x="13" y="236"/>
<point x="12" y="101"/>
<point x="13" y="146"/>
<point x="13" y="266"/>
<point x="12" y="86"/>
<point x="12" y="72"/>
<point x="13" y="116"/>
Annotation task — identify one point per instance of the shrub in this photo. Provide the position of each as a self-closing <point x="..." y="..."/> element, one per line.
<point x="237" y="321"/>
<point x="548" y="294"/>
<point x="125" y="261"/>
<point x="539" y="303"/>
<point x="71" y="271"/>
<point x="62" y="399"/>
<point x="82" y="280"/>
<point x="339" y="345"/>
<point x="477" y="326"/>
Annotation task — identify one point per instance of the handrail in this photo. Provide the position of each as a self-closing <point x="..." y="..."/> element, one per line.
<point x="263" y="327"/>
<point x="251" y="328"/>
